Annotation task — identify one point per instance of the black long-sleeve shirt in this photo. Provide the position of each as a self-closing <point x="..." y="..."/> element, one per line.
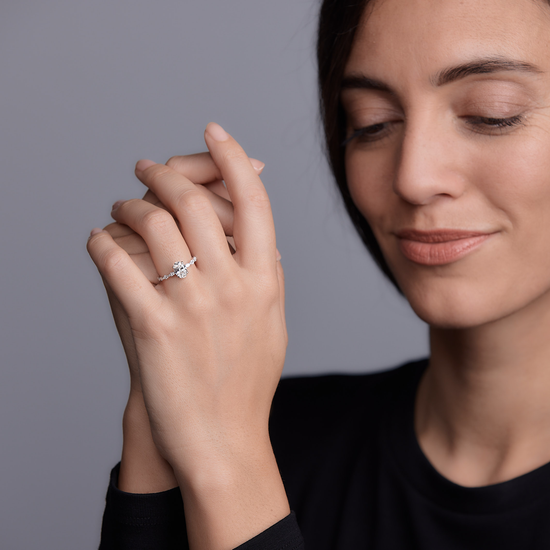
<point x="356" y="478"/>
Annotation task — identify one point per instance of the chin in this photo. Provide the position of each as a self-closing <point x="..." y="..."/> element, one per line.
<point x="458" y="318"/>
<point x="454" y="305"/>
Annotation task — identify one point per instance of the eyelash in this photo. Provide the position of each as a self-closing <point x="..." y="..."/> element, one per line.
<point x="500" y="123"/>
<point x="363" y="133"/>
<point x="369" y="134"/>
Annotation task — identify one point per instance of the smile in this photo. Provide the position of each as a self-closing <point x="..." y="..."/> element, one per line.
<point x="439" y="247"/>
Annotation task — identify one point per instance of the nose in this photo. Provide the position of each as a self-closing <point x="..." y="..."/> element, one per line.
<point x="427" y="164"/>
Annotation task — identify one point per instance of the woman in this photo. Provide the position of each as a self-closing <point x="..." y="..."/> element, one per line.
<point x="437" y="123"/>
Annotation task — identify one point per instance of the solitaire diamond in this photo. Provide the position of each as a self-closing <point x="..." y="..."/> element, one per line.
<point x="180" y="269"/>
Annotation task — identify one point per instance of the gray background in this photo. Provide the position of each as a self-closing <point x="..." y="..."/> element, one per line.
<point x="87" y="88"/>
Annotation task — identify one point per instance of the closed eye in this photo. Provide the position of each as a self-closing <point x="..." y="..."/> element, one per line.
<point x="369" y="134"/>
<point x="489" y="125"/>
<point x="484" y="125"/>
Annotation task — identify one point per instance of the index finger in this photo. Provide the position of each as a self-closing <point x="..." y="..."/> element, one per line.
<point x="253" y="228"/>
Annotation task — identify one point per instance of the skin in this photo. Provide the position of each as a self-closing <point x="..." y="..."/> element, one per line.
<point x="143" y="469"/>
<point x="439" y="160"/>
<point x="208" y="350"/>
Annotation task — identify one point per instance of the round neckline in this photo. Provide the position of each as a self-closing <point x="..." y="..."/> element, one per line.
<point x="426" y="480"/>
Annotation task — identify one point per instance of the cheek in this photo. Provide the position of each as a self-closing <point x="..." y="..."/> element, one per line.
<point x="506" y="185"/>
<point x="370" y="176"/>
<point x="513" y="177"/>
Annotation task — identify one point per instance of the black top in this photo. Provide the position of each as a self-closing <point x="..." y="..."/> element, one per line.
<point x="356" y="478"/>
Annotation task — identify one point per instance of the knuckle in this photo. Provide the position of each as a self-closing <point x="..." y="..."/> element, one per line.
<point x="193" y="201"/>
<point x="158" y="171"/>
<point x="234" y="296"/>
<point x="175" y="162"/>
<point x="112" y="261"/>
<point x="235" y="154"/>
<point x="157" y="219"/>
<point x="258" y="198"/>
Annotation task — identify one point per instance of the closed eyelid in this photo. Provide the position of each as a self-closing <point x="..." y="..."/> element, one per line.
<point x="374" y="98"/>
<point x="505" y="108"/>
<point x="367" y="112"/>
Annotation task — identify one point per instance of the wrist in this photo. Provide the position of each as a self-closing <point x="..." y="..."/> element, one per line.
<point x="229" y="499"/>
<point x="142" y="468"/>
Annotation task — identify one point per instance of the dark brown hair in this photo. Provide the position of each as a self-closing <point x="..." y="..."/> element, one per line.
<point x="338" y="21"/>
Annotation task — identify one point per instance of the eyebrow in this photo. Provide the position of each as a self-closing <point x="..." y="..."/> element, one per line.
<point x="446" y="76"/>
<point x="483" y="66"/>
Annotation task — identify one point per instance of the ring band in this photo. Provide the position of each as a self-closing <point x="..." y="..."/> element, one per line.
<point x="180" y="270"/>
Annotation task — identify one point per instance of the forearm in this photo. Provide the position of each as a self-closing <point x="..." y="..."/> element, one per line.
<point x="142" y="468"/>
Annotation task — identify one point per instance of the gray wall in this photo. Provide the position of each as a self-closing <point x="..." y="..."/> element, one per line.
<point x="87" y="88"/>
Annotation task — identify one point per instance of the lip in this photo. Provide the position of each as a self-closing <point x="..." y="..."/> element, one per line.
<point x="439" y="247"/>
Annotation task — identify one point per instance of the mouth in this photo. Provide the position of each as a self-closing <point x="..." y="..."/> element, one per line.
<point x="439" y="247"/>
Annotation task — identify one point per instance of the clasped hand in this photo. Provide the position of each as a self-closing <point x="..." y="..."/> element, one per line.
<point x="209" y="348"/>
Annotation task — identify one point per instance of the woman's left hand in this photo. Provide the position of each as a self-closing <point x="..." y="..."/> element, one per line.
<point x="210" y="347"/>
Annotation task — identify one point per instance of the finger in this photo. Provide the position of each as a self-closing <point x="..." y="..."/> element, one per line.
<point x="195" y="214"/>
<point x="215" y="191"/>
<point x="222" y="207"/>
<point x="127" y="238"/>
<point x="136" y="247"/>
<point x="147" y="267"/>
<point x="221" y="204"/>
<point x="253" y="228"/>
<point x="128" y="283"/>
<point x="158" y="229"/>
<point x="117" y="230"/>
<point x="218" y="187"/>
<point x="201" y="169"/>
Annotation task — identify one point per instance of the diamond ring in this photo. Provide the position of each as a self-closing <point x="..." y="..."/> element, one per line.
<point x="180" y="270"/>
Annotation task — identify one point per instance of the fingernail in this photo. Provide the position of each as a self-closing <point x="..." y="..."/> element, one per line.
<point x="95" y="231"/>
<point x="224" y="184"/>
<point x="143" y="164"/>
<point x="278" y="255"/>
<point x="116" y="205"/>
<point x="216" y="132"/>
<point x="258" y="165"/>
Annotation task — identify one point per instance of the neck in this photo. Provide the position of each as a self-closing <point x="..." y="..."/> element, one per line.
<point x="483" y="407"/>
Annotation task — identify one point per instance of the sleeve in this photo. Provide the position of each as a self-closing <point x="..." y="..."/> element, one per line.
<point x="157" y="522"/>
<point x="142" y="521"/>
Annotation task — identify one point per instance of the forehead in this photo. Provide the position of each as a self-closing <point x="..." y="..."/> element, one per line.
<point x="420" y="36"/>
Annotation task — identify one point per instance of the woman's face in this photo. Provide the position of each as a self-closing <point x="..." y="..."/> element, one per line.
<point x="448" y="110"/>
